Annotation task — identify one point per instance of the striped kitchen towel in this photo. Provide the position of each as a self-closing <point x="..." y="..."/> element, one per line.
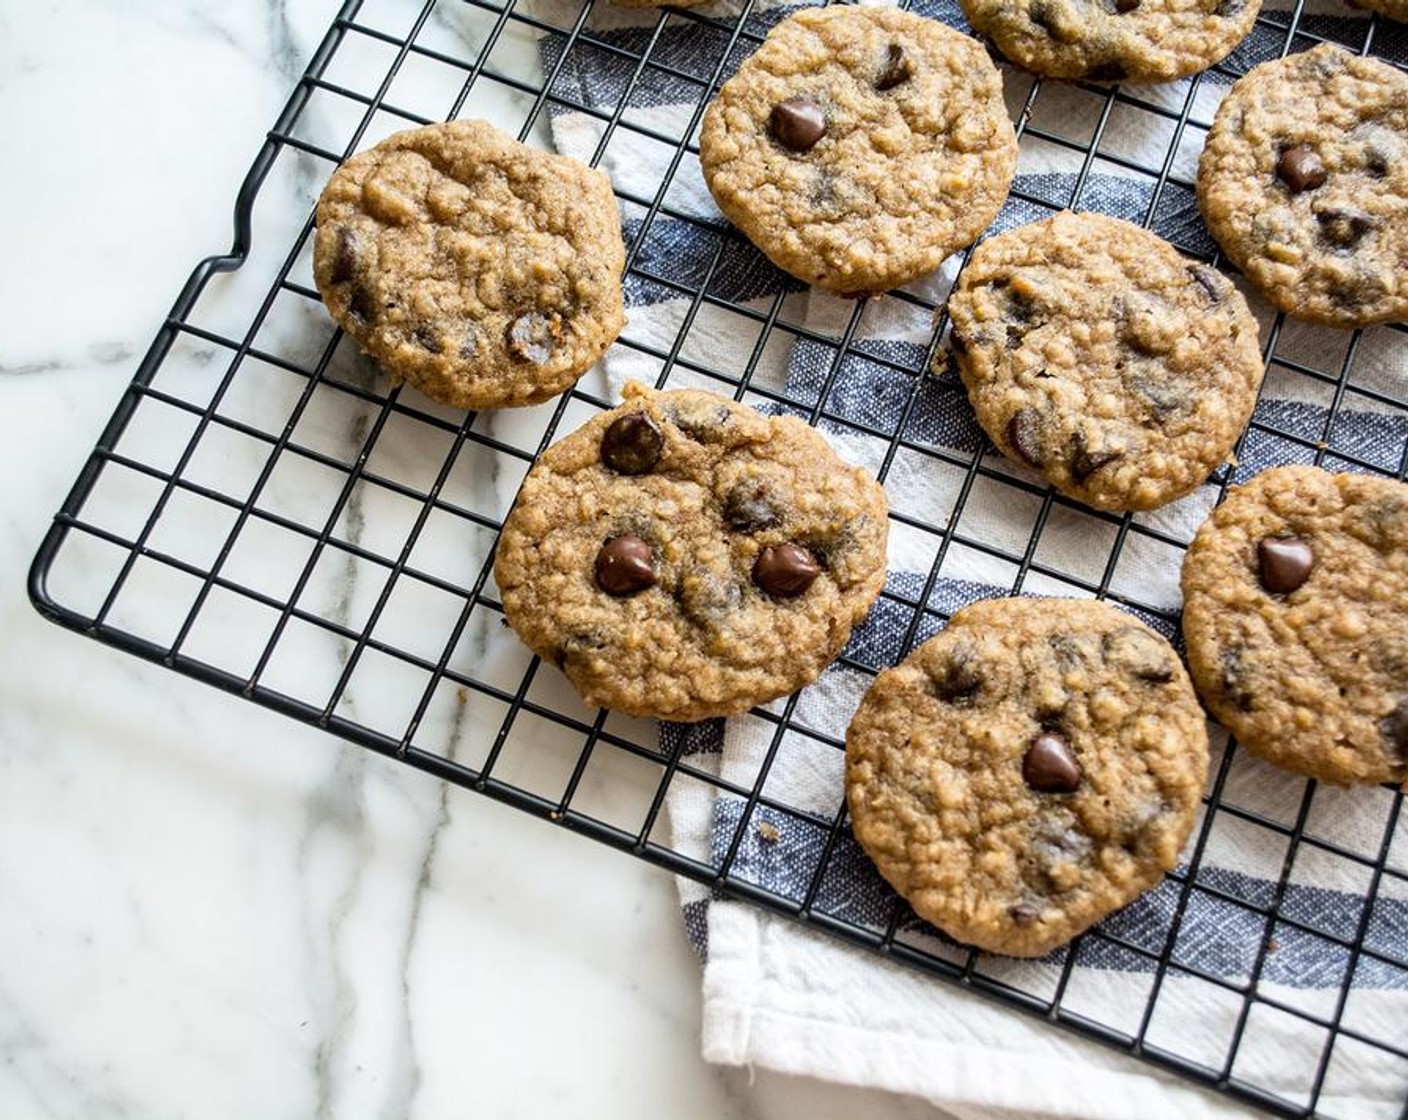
<point x="779" y="995"/>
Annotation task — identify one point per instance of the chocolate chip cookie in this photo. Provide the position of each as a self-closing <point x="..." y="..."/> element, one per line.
<point x="481" y="271"/>
<point x="1029" y="770"/>
<point x="684" y="556"/>
<point x="1295" y="610"/>
<point x="1304" y="183"/>
<point x="1095" y="353"/>
<point x="859" y="146"/>
<point x="1394" y="9"/>
<point x="1114" y="40"/>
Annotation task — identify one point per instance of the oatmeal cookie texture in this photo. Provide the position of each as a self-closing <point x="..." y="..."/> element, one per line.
<point x="1394" y="9"/>
<point x="1295" y="611"/>
<point x="1096" y="354"/>
<point x="683" y="556"/>
<point x="1032" y="768"/>
<point x="481" y="271"/>
<point x="1304" y="183"/>
<point x="1114" y="40"/>
<point x="859" y="147"/>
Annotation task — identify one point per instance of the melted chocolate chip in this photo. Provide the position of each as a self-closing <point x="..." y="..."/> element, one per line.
<point x="1023" y="914"/>
<point x="958" y="679"/>
<point x="797" y="123"/>
<point x="1235" y="676"/>
<point x="1041" y="14"/>
<point x="1124" y="7"/>
<point x="785" y="570"/>
<point x="897" y="69"/>
<point x="624" y="566"/>
<point x="703" y="425"/>
<point x="632" y="443"/>
<point x="957" y="342"/>
<point x="427" y="339"/>
<point x="1165" y="398"/>
<point x="362" y="304"/>
<point x="1085" y="461"/>
<point x="1110" y="71"/>
<point x="1394" y="729"/>
<point x="574" y="645"/>
<point x="1024" y="435"/>
<point x="1212" y="282"/>
<point x="748" y="508"/>
<point x="1015" y="335"/>
<point x="1049" y="766"/>
<point x="706" y="600"/>
<point x="533" y="337"/>
<point x="344" y="260"/>
<point x="1344" y="226"/>
<point x="1283" y="563"/>
<point x="469" y="344"/>
<point x="1134" y="650"/>
<point x="1300" y="169"/>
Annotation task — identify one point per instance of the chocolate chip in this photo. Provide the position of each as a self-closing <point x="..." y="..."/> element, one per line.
<point x="1049" y="766"/>
<point x="427" y="339"/>
<point x="1210" y="281"/>
<point x="532" y="337"/>
<point x="1375" y="163"/>
<point x="785" y="570"/>
<point x="1344" y="226"/>
<point x="1024" y="435"/>
<point x="469" y="344"/>
<point x="706" y="600"/>
<point x="362" y="304"/>
<point x="1235" y="674"/>
<point x="897" y="69"/>
<point x="632" y="443"/>
<point x="1072" y="651"/>
<point x="1015" y="335"/>
<point x="1300" y="169"/>
<point x="1226" y="9"/>
<point x="344" y="260"/>
<point x="1283" y="563"/>
<point x="958" y="678"/>
<point x="574" y="645"/>
<point x="1110" y="71"/>
<point x="1085" y="460"/>
<point x="957" y="342"/>
<point x="1023" y="914"/>
<point x="748" y="508"/>
<point x="797" y="123"/>
<point x="1394" y="728"/>
<point x="703" y="425"/>
<point x="1165" y="398"/>
<point x="624" y="566"/>
<point x="1134" y="650"/>
<point x="1124" y="7"/>
<point x="1041" y="14"/>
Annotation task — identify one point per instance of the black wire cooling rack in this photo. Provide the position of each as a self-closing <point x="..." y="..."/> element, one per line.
<point x="266" y="514"/>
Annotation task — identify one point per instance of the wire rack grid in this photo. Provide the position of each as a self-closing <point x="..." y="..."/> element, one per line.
<point x="266" y="514"/>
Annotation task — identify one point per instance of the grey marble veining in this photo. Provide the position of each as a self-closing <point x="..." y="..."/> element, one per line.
<point x="207" y="909"/>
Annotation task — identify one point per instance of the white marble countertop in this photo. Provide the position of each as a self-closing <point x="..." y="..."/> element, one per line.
<point x="207" y="909"/>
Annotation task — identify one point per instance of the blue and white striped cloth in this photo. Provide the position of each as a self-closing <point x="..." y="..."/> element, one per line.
<point x="781" y="996"/>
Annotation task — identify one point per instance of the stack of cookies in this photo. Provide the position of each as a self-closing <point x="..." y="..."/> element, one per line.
<point x="1039" y="763"/>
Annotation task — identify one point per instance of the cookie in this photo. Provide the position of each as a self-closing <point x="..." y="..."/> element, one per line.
<point x="859" y="147"/>
<point x="481" y="271"/>
<point x="1295" y="611"/>
<point x="1096" y="354"/>
<point x="683" y="556"/>
<point x="1114" y="40"/>
<point x="1304" y="183"/>
<point x="1032" y="768"/>
<point x="1393" y="9"/>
